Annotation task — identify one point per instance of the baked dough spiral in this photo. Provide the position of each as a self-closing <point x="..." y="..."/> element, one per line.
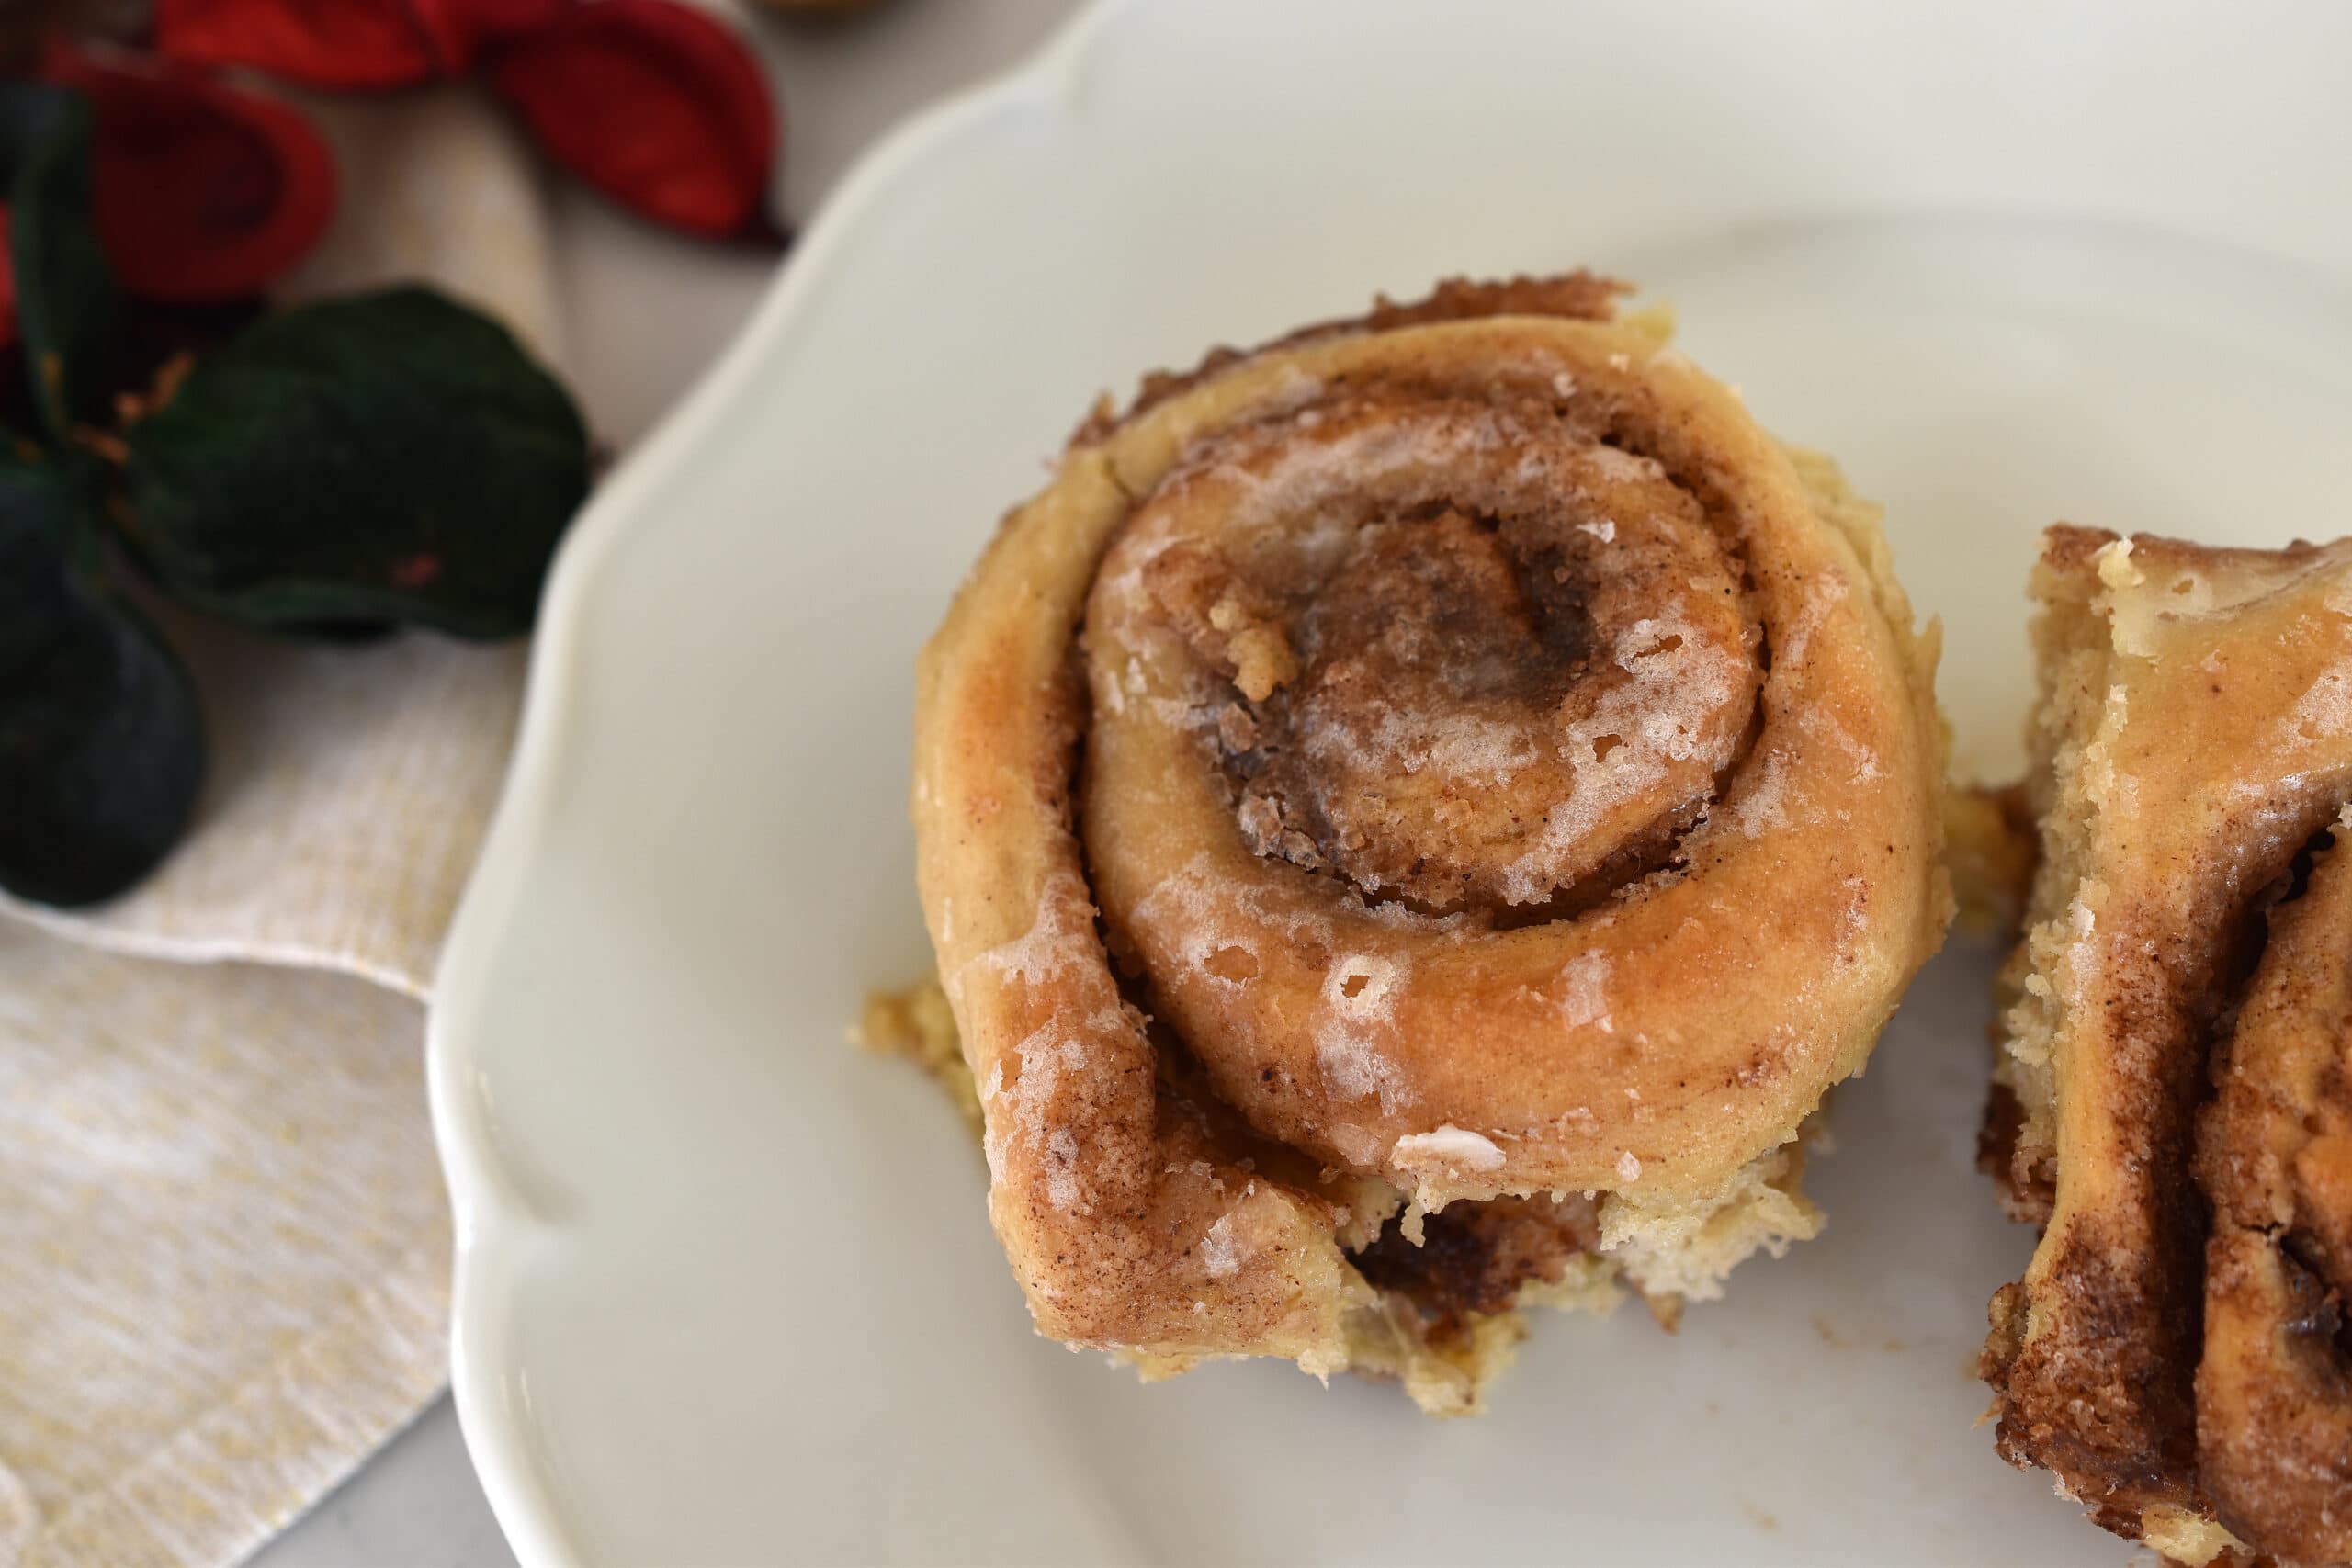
<point x="1451" y="762"/>
<point x="2173" y="1103"/>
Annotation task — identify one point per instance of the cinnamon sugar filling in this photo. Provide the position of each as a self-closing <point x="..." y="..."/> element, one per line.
<point x="1464" y="655"/>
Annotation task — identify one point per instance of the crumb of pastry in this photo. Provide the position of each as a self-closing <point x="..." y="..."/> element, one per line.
<point x="1989" y="844"/>
<point x="1685" y="1250"/>
<point x="2192" y="1540"/>
<point x="1445" y="1375"/>
<point x="917" y="1024"/>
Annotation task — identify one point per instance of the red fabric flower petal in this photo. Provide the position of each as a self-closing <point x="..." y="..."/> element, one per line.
<point x="326" y="43"/>
<point x="201" y="192"/>
<point x="657" y="104"/>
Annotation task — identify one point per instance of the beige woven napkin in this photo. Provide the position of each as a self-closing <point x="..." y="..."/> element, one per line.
<point x="223" y="1238"/>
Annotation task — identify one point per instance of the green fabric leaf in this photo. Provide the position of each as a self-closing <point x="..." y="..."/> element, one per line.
<point x="101" y="741"/>
<point x="67" y="310"/>
<point x="387" y="456"/>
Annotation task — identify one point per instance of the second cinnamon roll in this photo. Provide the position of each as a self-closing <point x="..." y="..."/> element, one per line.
<point x="2172" y="1098"/>
<point x="1412" y="820"/>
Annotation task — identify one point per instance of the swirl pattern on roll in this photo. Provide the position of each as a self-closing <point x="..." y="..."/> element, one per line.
<point x="1413" y="819"/>
<point x="2174" y="1104"/>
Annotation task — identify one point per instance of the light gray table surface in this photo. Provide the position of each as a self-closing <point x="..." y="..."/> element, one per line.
<point x="416" y="1502"/>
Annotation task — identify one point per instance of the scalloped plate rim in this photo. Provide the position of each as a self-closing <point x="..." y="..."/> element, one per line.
<point x="494" y="1224"/>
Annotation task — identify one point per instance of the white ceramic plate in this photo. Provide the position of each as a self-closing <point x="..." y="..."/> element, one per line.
<point x="725" y="1289"/>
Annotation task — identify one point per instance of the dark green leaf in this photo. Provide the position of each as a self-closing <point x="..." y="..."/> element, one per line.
<point x="101" y="743"/>
<point x="66" y="307"/>
<point x="390" y="457"/>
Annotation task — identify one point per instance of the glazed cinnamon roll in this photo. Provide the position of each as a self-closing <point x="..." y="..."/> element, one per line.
<point x="2174" y="1101"/>
<point x="1412" y="820"/>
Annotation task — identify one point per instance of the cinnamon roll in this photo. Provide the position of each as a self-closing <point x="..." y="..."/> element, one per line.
<point x="2173" y="1103"/>
<point x="1412" y="820"/>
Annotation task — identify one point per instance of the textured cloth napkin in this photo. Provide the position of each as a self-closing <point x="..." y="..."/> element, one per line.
<point x="223" y="1238"/>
